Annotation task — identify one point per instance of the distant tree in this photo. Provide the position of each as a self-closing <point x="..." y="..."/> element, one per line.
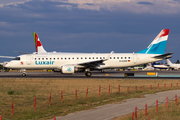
<point x="177" y="62"/>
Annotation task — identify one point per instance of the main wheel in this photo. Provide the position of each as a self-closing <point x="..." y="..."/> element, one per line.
<point x="88" y="74"/>
<point x="24" y="74"/>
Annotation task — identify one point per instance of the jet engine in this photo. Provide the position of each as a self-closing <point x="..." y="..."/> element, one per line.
<point x="68" y="69"/>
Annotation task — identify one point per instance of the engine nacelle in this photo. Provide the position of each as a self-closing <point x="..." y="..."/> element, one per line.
<point x="68" y="69"/>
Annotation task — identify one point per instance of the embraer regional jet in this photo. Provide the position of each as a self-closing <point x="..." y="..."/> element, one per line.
<point x="69" y="63"/>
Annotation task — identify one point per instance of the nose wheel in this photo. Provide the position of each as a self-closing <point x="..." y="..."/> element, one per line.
<point x="88" y="74"/>
<point x="24" y="74"/>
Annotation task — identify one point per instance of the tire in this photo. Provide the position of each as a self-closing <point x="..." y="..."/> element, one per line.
<point x="24" y="74"/>
<point x="88" y="74"/>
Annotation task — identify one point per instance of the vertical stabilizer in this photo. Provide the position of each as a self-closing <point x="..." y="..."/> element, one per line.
<point x="38" y="45"/>
<point x="168" y="62"/>
<point x="158" y="45"/>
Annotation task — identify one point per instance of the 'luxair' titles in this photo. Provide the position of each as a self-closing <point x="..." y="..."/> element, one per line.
<point x="44" y="62"/>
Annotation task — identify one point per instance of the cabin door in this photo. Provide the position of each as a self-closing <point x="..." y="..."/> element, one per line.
<point x="135" y="58"/>
<point x="28" y="59"/>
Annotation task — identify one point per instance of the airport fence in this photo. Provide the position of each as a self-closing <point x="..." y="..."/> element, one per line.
<point x="155" y="104"/>
<point x="78" y="97"/>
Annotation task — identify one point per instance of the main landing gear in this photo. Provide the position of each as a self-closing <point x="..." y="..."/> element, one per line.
<point x="88" y="74"/>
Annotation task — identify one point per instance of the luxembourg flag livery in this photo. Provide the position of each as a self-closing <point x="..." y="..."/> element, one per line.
<point x="158" y="45"/>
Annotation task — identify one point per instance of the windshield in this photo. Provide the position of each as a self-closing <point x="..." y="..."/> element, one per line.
<point x="17" y="58"/>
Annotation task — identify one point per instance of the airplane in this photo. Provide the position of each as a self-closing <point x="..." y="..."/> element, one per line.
<point x="155" y="65"/>
<point x="70" y="63"/>
<point x="172" y="66"/>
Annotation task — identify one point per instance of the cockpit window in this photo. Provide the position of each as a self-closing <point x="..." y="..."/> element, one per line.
<point x="17" y="58"/>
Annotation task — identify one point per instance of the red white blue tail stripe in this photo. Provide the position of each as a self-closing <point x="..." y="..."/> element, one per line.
<point x="158" y="45"/>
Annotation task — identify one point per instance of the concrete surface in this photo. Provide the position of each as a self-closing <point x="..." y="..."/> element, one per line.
<point x="110" y="111"/>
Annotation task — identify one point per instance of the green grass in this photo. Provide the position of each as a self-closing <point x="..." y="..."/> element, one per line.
<point x="172" y="113"/>
<point x="23" y="91"/>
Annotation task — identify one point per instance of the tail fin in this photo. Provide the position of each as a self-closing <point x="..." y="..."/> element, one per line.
<point x="158" y="45"/>
<point x="38" y="45"/>
<point x="168" y="62"/>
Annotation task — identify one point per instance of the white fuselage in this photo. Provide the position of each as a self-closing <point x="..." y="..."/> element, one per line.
<point x="175" y="66"/>
<point x="161" y="66"/>
<point x="57" y="60"/>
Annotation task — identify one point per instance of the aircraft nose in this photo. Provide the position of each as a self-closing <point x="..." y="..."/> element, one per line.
<point x="7" y="65"/>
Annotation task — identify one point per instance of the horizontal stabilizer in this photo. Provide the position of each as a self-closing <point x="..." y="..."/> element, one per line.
<point x="165" y="56"/>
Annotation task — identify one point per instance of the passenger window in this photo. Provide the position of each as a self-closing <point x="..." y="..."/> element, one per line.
<point x="114" y="57"/>
<point x="103" y="57"/>
<point x="69" y="58"/>
<point x="96" y="57"/>
<point x="100" y="57"/>
<point x="117" y="57"/>
<point x="124" y="57"/>
<point x="110" y="57"/>
<point x="50" y="58"/>
<point x="77" y="58"/>
<point x="81" y="58"/>
<point x="85" y="57"/>
<point x="42" y="58"/>
<point x="57" y="58"/>
<point x="73" y="58"/>
<point x="93" y="58"/>
<point x="65" y="58"/>
<point x="121" y="57"/>
<point x="46" y="58"/>
<point x="129" y="58"/>
<point x="61" y="58"/>
<point x="39" y="58"/>
<point x="34" y="58"/>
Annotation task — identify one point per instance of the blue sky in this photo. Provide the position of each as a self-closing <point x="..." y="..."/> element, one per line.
<point x="101" y="26"/>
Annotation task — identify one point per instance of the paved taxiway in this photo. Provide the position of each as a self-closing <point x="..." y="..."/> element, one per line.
<point x="110" y="111"/>
<point x="107" y="74"/>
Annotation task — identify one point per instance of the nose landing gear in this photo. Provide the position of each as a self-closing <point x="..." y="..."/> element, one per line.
<point x="24" y="74"/>
<point x="88" y="74"/>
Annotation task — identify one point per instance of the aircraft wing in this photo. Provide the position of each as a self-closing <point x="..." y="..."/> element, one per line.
<point x="165" y="56"/>
<point x="21" y="52"/>
<point x="6" y="57"/>
<point x="92" y="63"/>
<point x="96" y="62"/>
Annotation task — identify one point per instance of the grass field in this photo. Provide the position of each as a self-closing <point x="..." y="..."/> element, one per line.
<point x="172" y="113"/>
<point x="23" y="91"/>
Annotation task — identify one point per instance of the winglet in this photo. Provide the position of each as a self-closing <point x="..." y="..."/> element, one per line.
<point x="107" y="58"/>
<point x="38" y="45"/>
